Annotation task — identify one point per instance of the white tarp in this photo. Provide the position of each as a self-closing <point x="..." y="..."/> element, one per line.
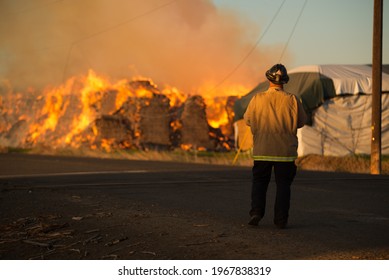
<point x="347" y="79"/>
<point x="342" y="126"/>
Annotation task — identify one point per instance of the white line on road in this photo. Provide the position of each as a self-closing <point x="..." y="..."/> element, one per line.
<point x="72" y="174"/>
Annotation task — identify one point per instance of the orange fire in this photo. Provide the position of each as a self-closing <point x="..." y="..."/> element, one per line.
<point x="91" y="102"/>
<point x="175" y="96"/>
<point x="91" y="93"/>
<point x="124" y="92"/>
<point x="216" y="106"/>
<point x="216" y="112"/>
<point x="54" y="108"/>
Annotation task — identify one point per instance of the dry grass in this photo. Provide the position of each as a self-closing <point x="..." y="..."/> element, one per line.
<point x="349" y="164"/>
<point x="178" y="155"/>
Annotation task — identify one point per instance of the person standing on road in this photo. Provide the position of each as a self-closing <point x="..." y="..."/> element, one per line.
<point x="274" y="117"/>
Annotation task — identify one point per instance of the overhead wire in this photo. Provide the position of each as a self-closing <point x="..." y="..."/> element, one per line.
<point x="262" y="35"/>
<point x="109" y="29"/>
<point x="126" y="21"/>
<point x="279" y="60"/>
<point x="226" y="77"/>
<point x="29" y="9"/>
<point x="293" y="30"/>
<point x="229" y="74"/>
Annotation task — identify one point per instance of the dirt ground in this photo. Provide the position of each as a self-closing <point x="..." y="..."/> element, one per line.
<point x="74" y="224"/>
<point x="179" y="211"/>
<point x="100" y="230"/>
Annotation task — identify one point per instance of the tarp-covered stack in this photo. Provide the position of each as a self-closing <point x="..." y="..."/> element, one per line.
<point x="337" y="99"/>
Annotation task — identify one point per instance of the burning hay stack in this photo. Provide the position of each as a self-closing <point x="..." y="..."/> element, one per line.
<point x="94" y="113"/>
<point x="195" y="128"/>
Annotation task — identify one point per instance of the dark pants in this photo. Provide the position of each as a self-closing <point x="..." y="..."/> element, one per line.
<point x="284" y="174"/>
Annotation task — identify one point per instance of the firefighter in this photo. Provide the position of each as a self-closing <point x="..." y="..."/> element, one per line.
<point x="274" y="117"/>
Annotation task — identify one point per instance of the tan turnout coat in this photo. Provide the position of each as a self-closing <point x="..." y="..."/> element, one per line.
<point x="274" y="117"/>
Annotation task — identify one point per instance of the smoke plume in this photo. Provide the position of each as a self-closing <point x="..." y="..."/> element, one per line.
<point x="183" y="43"/>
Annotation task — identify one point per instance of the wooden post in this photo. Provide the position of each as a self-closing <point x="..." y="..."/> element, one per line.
<point x="375" y="157"/>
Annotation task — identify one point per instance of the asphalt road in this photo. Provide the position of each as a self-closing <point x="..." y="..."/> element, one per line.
<point x="333" y="215"/>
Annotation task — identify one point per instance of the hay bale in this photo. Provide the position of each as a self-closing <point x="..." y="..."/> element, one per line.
<point x="150" y="120"/>
<point x="154" y="121"/>
<point x="244" y="137"/>
<point x="228" y="129"/>
<point x="109" y="132"/>
<point x="195" y="128"/>
<point x="114" y="127"/>
<point x="16" y="135"/>
<point x="108" y="102"/>
<point x="18" y="114"/>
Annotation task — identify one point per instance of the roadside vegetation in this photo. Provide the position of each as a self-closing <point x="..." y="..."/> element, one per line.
<point x="348" y="164"/>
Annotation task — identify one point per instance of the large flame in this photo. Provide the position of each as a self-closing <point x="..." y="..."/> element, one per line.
<point x="90" y="99"/>
<point x="216" y="99"/>
<point x="91" y="93"/>
<point x="53" y="109"/>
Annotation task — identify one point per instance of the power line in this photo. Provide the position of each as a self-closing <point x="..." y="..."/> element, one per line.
<point x="167" y="4"/>
<point x="29" y="9"/>
<point x="251" y="50"/>
<point x="109" y="29"/>
<point x="125" y="21"/>
<point x="293" y="29"/>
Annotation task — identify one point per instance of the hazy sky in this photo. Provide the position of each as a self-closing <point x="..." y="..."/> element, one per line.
<point x="191" y="44"/>
<point x="328" y="32"/>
